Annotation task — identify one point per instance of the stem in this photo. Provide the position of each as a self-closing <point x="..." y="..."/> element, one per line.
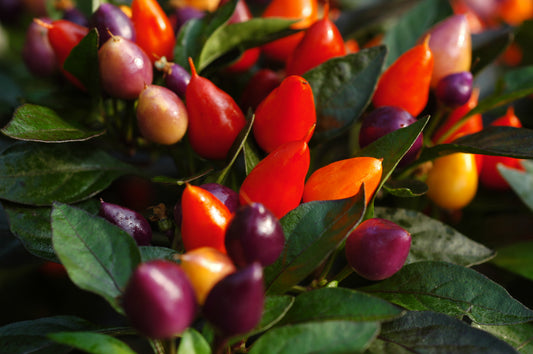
<point x="322" y="279"/>
<point x="343" y="274"/>
<point x="157" y="346"/>
<point x="171" y="345"/>
<point x="434" y="122"/>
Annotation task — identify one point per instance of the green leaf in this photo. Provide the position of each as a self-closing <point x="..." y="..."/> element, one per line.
<point x="328" y="304"/>
<point x="31" y="225"/>
<point x="193" y="342"/>
<point x="275" y="309"/>
<point x="393" y="146"/>
<point x="39" y="174"/>
<point x="234" y="152"/>
<point x="314" y="231"/>
<point x="453" y="290"/>
<point x="194" y="33"/>
<point x="31" y="336"/>
<point x="318" y="337"/>
<point x="432" y="240"/>
<point x="98" y="256"/>
<point x="520" y="181"/>
<point x="517" y="83"/>
<point x="411" y="26"/>
<point x="189" y="41"/>
<point x="150" y="253"/>
<point x="362" y="14"/>
<point x="516" y="258"/>
<point x="90" y="342"/>
<point x="82" y="62"/>
<point x="430" y="332"/>
<point x="251" y="156"/>
<point x="492" y="140"/>
<point x="342" y="88"/>
<point x="406" y="188"/>
<point x="241" y="36"/>
<point x="37" y="123"/>
<point x="519" y="336"/>
<point x="488" y="45"/>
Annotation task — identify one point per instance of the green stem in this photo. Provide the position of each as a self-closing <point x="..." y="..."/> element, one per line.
<point x="322" y="279"/>
<point x="343" y="274"/>
<point x="434" y="122"/>
<point x="157" y="346"/>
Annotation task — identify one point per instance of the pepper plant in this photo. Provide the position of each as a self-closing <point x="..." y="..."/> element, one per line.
<point x="73" y="280"/>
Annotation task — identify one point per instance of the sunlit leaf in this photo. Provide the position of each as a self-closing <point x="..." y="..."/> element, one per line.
<point x="98" y="256"/>
<point x="453" y="290"/>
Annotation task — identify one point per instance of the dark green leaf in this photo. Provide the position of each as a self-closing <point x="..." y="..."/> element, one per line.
<point x="189" y="42"/>
<point x="219" y="18"/>
<point x="430" y="332"/>
<point x="406" y="188"/>
<point x="488" y="46"/>
<point x="82" y="62"/>
<point x="492" y="140"/>
<point x="193" y="342"/>
<point x="90" y="342"/>
<point x="274" y="310"/>
<point x="37" y="123"/>
<point x="453" y="290"/>
<point x="328" y="304"/>
<point x="516" y="258"/>
<point x="251" y="156"/>
<point x="519" y="336"/>
<point x="411" y="26"/>
<point x="31" y="336"/>
<point x="520" y="181"/>
<point x="32" y="226"/>
<point x="149" y="253"/>
<point x="342" y="88"/>
<point x="241" y="36"/>
<point x="39" y="174"/>
<point x="321" y="337"/>
<point x="313" y="230"/>
<point x="194" y="33"/>
<point x="393" y="146"/>
<point x="433" y="240"/>
<point x="11" y="92"/>
<point x="99" y="256"/>
<point x="358" y="15"/>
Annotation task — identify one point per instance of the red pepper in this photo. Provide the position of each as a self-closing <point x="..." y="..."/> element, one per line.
<point x="154" y="31"/>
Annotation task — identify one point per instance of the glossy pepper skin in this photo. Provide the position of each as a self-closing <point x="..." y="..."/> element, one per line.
<point x="215" y="119"/>
<point x="343" y="179"/>
<point x="153" y="29"/>
<point x="204" y="219"/>
<point x="453" y="181"/>
<point x="63" y="36"/>
<point x="286" y="114"/>
<point x="451" y="45"/>
<point x="205" y="266"/>
<point x="406" y="82"/>
<point x="277" y="181"/>
<point x="321" y="42"/>
<point x="304" y="10"/>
